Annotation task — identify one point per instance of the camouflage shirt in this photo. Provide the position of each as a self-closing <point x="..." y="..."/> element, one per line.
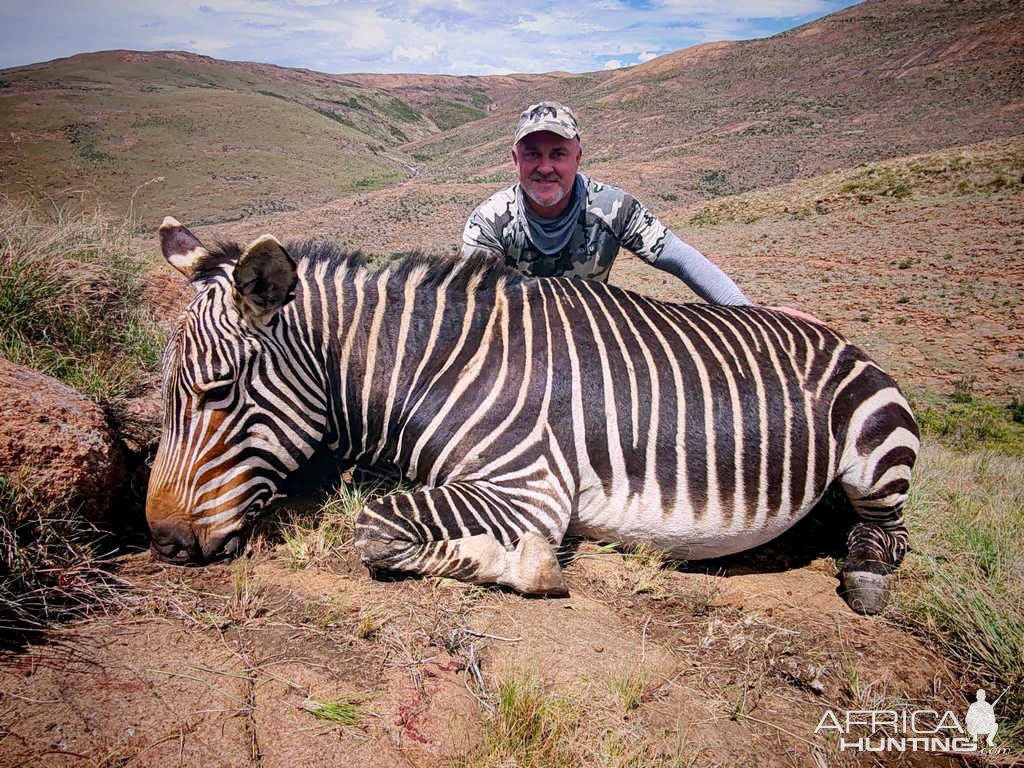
<point x="609" y="218"/>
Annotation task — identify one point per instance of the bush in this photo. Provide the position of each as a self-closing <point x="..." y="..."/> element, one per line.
<point x="70" y="302"/>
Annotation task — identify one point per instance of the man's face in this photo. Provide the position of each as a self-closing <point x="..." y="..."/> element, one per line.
<point x="547" y="165"/>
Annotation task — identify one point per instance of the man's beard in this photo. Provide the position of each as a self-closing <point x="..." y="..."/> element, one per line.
<point x="562" y="193"/>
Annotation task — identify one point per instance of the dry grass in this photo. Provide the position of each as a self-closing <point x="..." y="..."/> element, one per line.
<point x="962" y="586"/>
<point x="69" y="301"/>
<point x="54" y="565"/>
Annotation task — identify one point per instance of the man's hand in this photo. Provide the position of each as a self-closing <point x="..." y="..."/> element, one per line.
<point x="798" y="314"/>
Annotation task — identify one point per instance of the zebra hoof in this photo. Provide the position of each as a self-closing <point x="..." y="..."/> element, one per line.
<point x="538" y="570"/>
<point x="865" y="592"/>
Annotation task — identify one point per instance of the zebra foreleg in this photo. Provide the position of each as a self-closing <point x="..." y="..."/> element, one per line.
<point x="426" y="533"/>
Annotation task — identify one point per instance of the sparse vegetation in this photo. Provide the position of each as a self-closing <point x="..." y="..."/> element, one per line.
<point x="530" y="727"/>
<point x="53" y="563"/>
<point x="69" y="302"/>
<point x="314" y="540"/>
<point x="993" y="168"/>
<point x="448" y="114"/>
<point x="962" y="586"/>
<point x="965" y="422"/>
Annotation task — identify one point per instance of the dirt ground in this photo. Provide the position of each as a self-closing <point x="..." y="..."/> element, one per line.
<point x="219" y="666"/>
<point x="733" y="665"/>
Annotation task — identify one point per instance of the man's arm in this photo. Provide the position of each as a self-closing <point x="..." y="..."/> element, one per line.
<point x="485" y="224"/>
<point x="698" y="272"/>
<point x="652" y="241"/>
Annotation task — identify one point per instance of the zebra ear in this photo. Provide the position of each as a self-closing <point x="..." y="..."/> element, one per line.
<point x="181" y="248"/>
<point x="264" y="277"/>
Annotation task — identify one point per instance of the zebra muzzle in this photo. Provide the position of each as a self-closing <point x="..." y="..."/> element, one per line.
<point x="174" y="542"/>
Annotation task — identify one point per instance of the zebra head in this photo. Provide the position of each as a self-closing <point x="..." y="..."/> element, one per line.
<point x="238" y="415"/>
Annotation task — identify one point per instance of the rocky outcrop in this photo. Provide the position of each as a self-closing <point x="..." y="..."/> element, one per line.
<point x="56" y="446"/>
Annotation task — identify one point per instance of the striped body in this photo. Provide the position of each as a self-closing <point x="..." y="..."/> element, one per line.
<point x="524" y="409"/>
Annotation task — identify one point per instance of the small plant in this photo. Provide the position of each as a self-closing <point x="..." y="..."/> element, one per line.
<point x="334" y="710"/>
<point x="628" y="689"/>
<point x="645" y="571"/>
<point x="529" y="726"/>
<point x="248" y="596"/>
<point x="962" y="390"/>
<point x="314" y="540"/>
<point x="327" y="613"/>
<point x="371" y="621"/>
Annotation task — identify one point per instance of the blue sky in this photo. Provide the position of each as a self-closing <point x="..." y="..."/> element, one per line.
<point x="459" y="37"/>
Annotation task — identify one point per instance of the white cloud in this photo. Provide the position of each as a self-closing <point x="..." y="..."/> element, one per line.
<point x="410" y="53"/>
<point x="612" y="64"/>
<point x="368" y="32"/>
<point x="433" y="36"/>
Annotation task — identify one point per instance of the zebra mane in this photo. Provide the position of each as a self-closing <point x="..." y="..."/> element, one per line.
<point x="215" y="261"/>
<point x="430" y="270"/>
<point x="435" y="269"/>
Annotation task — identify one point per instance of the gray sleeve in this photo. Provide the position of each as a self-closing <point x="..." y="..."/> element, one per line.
<point x="478" y="235"/>
<point x="699" y="273"/>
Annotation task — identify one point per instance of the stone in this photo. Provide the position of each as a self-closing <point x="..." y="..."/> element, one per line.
<point x="56" y="446"/>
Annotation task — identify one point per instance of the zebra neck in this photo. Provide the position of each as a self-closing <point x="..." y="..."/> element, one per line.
<point x="399" y="338"/>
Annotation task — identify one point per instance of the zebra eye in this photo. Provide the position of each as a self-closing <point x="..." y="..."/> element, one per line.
<point x="215" y="392"/>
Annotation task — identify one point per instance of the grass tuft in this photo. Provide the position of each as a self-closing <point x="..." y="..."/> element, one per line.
<point x="53" y="566"/>
<point x="70" y="302"/>
<point x="530" y="727"/>
<point x="334" y="710"/>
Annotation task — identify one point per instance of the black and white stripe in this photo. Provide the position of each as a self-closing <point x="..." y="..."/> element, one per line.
<point x="525" y="409"/>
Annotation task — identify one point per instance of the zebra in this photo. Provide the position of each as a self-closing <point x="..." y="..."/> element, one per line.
<point x="521" y="410"/>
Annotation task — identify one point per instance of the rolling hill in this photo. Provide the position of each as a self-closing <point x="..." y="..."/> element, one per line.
<point x="883" y="79"/>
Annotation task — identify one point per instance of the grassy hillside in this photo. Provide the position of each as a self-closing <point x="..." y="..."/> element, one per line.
<point x="883" y="79"/>
<point x="225" y="139"/>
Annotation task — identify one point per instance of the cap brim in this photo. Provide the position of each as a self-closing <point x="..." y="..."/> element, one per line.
<point x="560" y="130"/>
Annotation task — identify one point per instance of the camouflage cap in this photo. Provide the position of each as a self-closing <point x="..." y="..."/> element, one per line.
<point x="547" y="116"/>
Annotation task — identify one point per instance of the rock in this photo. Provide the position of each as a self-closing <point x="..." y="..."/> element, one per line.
<point x="138" y="418"/>
<point x="166" y="293"/>
<point x="55" y="445"/>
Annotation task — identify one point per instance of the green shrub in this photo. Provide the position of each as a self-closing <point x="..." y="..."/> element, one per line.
<point x="70" y="302"/>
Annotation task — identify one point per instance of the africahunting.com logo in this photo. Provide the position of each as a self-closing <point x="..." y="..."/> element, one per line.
<point x="914" y="730"/>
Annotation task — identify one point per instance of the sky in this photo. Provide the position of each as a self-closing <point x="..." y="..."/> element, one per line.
<point x="457" y="37"/>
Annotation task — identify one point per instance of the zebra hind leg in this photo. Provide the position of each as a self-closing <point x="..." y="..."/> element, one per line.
<point x="874" y="553"/>
<point x="877" y="482"/>
<point x="425" y="532"/>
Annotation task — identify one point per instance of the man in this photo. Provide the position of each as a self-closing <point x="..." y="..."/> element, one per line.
<point x="556" y="221"/>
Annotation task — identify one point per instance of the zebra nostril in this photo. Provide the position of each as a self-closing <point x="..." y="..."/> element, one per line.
<point x="173" y="542"/>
